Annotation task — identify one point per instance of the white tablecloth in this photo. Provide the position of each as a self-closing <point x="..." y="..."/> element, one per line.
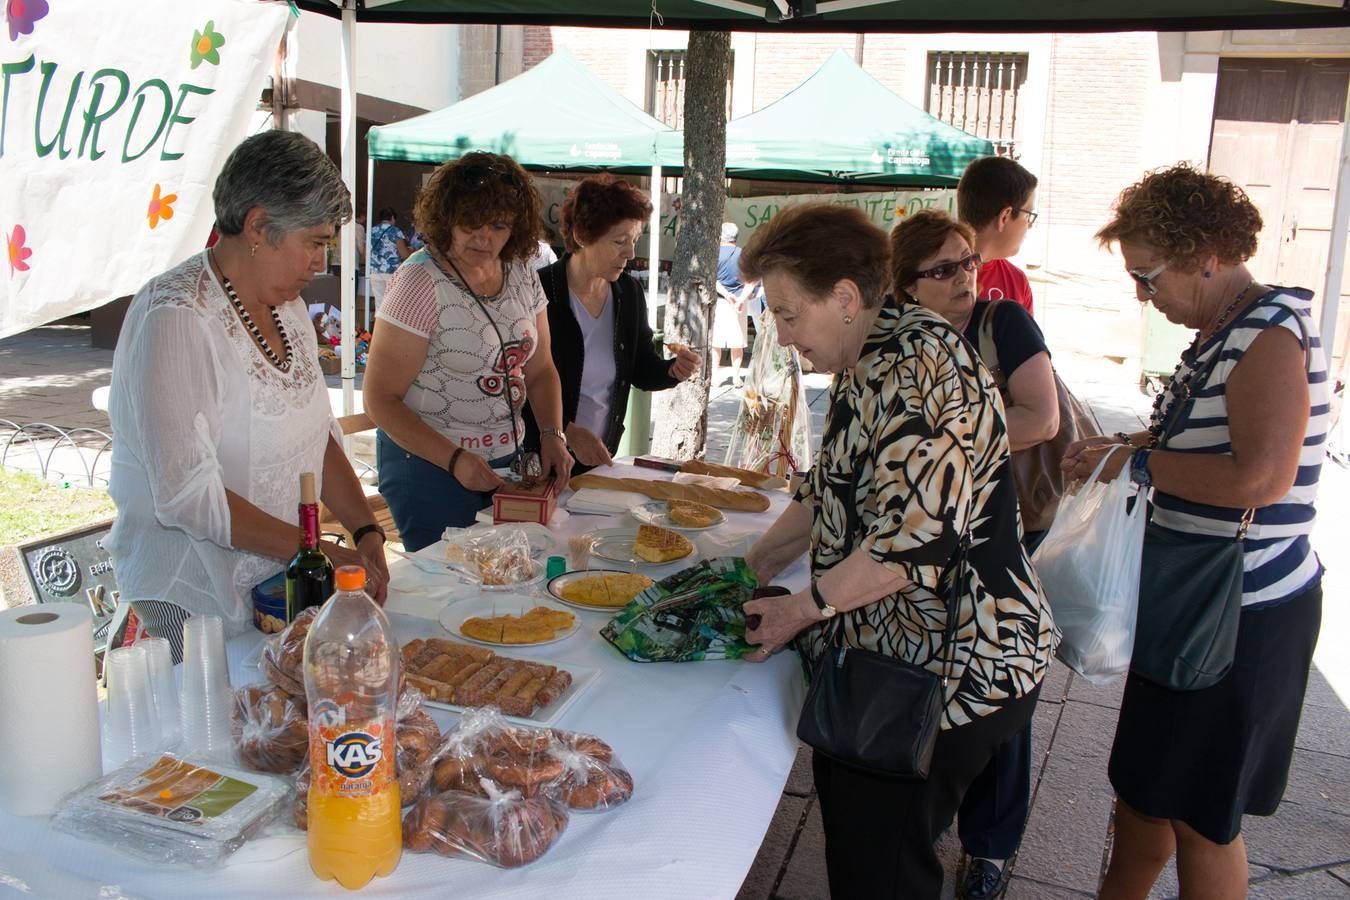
<point x="710" y="746"/>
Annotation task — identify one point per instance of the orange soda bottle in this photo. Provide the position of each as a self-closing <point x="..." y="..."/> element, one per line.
<point x="351" y="681"/>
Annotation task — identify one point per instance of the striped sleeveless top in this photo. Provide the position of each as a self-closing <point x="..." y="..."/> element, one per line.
<point x="1278" y="559"/>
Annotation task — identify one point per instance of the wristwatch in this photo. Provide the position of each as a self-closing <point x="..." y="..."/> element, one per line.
<point x="556" y="432"/>
<point x="1139" y="472"/>
<point x="826" y="609"/>
<point x="365" y="530"/>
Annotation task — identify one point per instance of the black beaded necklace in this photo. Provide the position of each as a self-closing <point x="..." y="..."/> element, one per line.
<point x="1179" y="387"/>
<point x="283" y="365"/>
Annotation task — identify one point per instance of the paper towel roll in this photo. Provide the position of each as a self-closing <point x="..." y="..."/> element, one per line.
<point x="49" y="738"/>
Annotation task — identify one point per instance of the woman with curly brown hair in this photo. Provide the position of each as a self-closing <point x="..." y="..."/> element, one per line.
<point x="470" y="340"/>
<point x="597" y="315"/>
<point x="1233" y="451"/>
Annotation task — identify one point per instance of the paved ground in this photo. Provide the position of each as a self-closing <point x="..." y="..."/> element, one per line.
<point x="1303" y="851"/>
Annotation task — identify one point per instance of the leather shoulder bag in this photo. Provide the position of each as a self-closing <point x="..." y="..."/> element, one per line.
<point x="1036" y="473"/>
<point x="870" y="710"/>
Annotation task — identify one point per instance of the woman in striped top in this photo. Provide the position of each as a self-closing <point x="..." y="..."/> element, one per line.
<point x="1187" y="765"/>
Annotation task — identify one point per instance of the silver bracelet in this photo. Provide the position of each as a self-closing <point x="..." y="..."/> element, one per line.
<point x="557" y="433"/>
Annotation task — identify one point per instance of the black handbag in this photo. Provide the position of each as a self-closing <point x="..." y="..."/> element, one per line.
<point x="1190" y="591"/>
<point x="872" y="711"/>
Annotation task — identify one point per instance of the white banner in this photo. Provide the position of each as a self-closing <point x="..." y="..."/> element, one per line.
<point x="116" y="117"/>
<point x="885" y="208"/>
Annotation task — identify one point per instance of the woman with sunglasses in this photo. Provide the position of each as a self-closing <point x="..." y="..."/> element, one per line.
<point x="935" y="266"/>
<point x="913" y="467"/>
<point x="597" y="314"/>
<point x="1246" y="418"/>
<point x="446" y="385"/>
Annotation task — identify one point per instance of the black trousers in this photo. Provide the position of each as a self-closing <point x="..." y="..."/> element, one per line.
<point x="880" y="832"/>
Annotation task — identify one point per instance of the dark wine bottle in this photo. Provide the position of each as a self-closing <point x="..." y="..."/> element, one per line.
<point x="309" y="575"/>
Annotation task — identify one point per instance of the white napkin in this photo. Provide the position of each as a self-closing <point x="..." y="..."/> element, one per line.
<point x="601" y="500"/>
<point x="712" y="481"/>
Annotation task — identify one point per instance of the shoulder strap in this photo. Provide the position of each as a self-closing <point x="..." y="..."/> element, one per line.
<point x="988" y="349"/>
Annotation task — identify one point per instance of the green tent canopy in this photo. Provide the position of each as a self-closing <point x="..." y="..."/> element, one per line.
<point x="556" y="115"/>
<point x="841" y="124"/>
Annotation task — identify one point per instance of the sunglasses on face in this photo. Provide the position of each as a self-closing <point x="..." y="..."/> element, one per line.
<point x="1145" y="279"/>
<point x="969" y="262"/>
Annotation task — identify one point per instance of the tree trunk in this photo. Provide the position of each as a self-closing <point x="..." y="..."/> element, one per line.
<point x="683" y="411"/>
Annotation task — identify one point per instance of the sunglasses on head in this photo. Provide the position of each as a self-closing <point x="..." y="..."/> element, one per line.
<point x="481" y="170"/>
<point x="1145" y="279"/>
<point x="970" y="262"/>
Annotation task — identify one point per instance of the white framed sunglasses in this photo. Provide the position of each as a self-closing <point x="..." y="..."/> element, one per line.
<point x="1145" y="279"/>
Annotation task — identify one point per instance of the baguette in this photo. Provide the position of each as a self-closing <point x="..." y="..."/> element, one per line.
<point x="745" y="501"/>
<point x="747" y="477"/>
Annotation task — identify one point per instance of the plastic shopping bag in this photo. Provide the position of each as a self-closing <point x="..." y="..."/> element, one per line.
<point x="1088" y="564"/>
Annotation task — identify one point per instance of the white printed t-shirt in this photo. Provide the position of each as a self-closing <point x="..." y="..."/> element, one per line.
<point x="468" y="390"/>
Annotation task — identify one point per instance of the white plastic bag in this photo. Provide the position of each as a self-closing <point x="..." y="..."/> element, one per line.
<point x="1088" y="564"/>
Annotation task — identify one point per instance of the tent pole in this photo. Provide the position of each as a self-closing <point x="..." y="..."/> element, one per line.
<point x="654" y="249"/>
<point x="348" y="131"/>
<point x="1340" y="220"/>
<point x="367" y="317"/>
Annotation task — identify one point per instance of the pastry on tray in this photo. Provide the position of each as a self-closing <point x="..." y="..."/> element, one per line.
<point x="539" y="624"/>
<point x="691" y="514"/>
<point x="611" y="590"/>
<point x="658" y="545"/>
<point x="450" y="672"/>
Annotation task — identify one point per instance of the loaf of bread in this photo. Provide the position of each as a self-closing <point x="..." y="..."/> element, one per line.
<point x="744" y="501"/>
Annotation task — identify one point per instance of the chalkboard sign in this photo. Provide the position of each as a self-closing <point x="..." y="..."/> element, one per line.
<point x="73" y="567"/>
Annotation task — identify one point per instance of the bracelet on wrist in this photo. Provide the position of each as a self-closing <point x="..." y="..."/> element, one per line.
<point x="454" y="458"/>
<point x="1139" y="472"/>
<point x="555" y="432"/>
<point x="372" y="528"/>
<point x="1124" y="438"/>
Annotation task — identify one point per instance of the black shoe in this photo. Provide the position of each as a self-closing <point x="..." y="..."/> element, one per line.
<point x="983" y="881"/>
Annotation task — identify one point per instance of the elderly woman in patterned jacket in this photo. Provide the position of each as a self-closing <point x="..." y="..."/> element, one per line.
<point x="1247" y="415"/>
<point x="916" y="454"/>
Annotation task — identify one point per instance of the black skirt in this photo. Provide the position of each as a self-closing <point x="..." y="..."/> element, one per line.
<point x="1208" y="757"/>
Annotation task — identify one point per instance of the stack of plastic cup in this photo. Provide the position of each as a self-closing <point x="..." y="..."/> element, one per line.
<point x="160" y="658"/>
<point x="204" y="704"/>
<point x="131" y="723"/>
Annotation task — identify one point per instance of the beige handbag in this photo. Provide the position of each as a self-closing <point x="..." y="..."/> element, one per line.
<point x="1036" y="471"/>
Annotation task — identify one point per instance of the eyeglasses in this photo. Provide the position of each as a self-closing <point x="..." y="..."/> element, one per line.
<point x="1031" y="215"/>
<point x="942" y="272"/>
<point x="1145" y="279"/>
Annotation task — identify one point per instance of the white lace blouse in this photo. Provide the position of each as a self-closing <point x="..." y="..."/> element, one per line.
<point x="197" y="409"/>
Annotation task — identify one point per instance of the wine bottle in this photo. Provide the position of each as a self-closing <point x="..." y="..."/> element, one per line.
<point x="309" y="575"/>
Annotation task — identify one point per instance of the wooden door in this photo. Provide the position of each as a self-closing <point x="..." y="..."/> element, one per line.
<point x="1277" y="133"/>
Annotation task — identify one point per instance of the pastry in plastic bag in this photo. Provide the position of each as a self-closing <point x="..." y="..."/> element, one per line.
<point x="485" y="745"/>
<point x="591" y="778"/>
<point x="283" y="655"/>
<point x="499" y="557"/>
<point x="270" y="728"/>
<point x="500" y="827"/>
<point x="417" y="738"/>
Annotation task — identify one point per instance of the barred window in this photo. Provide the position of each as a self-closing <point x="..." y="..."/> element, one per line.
<point x="665" y="85"/>
<point x="977" y="92"/>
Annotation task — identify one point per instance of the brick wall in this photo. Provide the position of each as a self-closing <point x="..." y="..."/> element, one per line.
<point x="783" y="61"/>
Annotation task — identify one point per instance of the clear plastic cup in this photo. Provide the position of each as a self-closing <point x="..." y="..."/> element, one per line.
<point x="159" y="655"/>
<point x="131" y="723"/>
<point x="204" y="703"/>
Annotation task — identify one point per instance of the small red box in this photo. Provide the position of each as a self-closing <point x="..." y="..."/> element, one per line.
<point x="529" y="500"/>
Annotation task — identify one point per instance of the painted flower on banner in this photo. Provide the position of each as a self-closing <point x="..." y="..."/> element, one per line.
<point x="21" y="14"/>
<point x="160" y="207"/>
<point x="18" y="253"/>
<point x="205" y="43"/>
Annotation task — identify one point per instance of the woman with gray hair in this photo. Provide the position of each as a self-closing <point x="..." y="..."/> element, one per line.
<point x="218" y="404"/>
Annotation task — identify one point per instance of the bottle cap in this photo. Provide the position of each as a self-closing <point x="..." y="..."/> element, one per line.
<point x="350" y="578"/>
<point x="556" y="566"/>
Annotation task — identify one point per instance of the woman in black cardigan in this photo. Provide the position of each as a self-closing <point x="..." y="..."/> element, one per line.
<point x="597" y="317"/>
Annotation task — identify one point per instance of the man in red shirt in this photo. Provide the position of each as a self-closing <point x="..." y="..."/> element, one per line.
<point x="997" y="197"/>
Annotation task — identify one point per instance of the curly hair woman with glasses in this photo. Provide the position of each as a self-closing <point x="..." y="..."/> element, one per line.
<point x="470" y="340"/>
<point x="1234" y="449"/>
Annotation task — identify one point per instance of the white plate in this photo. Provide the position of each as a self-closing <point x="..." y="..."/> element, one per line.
<point x="657" y="513"/>
<point x="616" y="545"/>
<point x="582" y="678"/>
<point x="558" y="582"/>
<point x="455" y="614"/>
